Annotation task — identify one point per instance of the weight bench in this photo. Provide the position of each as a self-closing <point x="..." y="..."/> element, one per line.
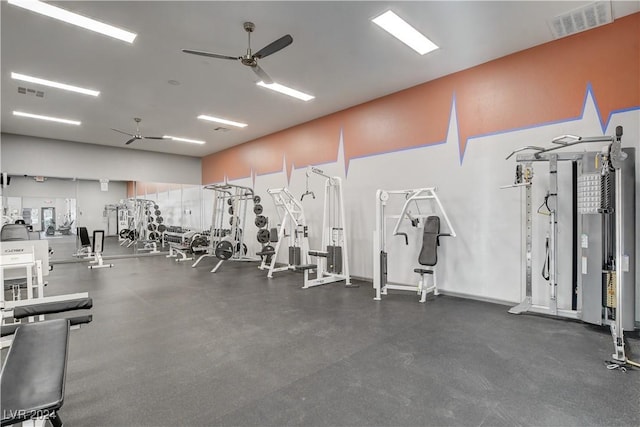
<point x="33" y="375"/>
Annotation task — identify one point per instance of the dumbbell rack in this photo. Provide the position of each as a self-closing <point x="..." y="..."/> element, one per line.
<point x="226" y="241"/>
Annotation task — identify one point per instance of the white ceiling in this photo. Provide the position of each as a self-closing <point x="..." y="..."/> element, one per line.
<point x="337" y="54"/>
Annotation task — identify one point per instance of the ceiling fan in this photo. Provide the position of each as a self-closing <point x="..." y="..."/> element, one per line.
<point x="251" y="59"/>
<point x="137" y="134"/>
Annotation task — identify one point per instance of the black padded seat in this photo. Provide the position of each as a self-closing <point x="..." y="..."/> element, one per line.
<point x="322" y="254"/>
<point x="305" y="267"/>
<point x="33" y="375"/>
<point x="265" y="253"/>
<point x="14" y="232"/>
<point x="6" y="330"/>
<point x="422" y="271"/>
<point x="428" y="253"/>
<point x="52" y="307"/>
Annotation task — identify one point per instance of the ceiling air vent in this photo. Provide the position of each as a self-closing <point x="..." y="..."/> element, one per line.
<point x="33" y="92"/>
<point x="581" y="19"/>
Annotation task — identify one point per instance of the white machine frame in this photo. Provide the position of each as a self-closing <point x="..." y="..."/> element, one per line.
<point x="239" y="196"/>
<point x="411" y="196"/>
<point x="334" y="233"/>
<point x="291" y="213"/>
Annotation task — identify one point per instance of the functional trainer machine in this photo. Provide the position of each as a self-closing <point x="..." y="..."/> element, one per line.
<point x="226" y="238"/>
<point x="603" y="233"/>
<point x="421" y="200"/>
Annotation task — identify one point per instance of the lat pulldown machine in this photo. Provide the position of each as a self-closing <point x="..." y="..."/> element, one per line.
<point x="603" y="238"/>
<point x="421" y="199"/>
<point x="332" y="263"/>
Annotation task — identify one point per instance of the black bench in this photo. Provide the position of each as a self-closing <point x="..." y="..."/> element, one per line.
<point x="33" y="375"/>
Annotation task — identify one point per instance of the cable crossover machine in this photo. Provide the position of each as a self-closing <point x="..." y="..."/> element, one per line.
<point x="602" y="200"/>
<point x="421" y="200"/>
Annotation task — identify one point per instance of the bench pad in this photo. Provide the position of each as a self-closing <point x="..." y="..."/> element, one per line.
<point x="33" y="376"/>
<point x="52" y="307"/>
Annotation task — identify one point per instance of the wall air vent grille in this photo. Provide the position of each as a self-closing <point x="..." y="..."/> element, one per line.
<point x="581" y="19"/>
<point x="32" y="92"/>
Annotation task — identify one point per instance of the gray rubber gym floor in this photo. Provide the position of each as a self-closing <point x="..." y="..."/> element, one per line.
<point x="173" y="345"/>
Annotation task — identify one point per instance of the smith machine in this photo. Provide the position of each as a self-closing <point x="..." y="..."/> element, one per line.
<point x="331" y="262"/>
<point x="602" y="276"/>
<point x="226" y="238"/>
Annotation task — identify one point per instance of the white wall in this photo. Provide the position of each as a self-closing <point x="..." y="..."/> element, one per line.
<point x="91" y="202"/>
<point x="21" y="155"/>
<point x="485" y="260"/>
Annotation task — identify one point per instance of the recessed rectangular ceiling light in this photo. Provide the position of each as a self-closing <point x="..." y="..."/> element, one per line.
<point x="223" y="121"/>
<point x="50" y="83"/>
<point x="404" y="32"/>
<point x="51" y="119"/>
<point x="176" y="138"/>
<point x="74" y="19"/>
<point x="287" y="91"/>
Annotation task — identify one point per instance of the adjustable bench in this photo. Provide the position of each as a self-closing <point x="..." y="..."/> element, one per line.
<point x="33" y="376"/>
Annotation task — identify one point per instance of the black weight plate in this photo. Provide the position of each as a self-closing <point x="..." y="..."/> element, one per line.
<point x="156" y="207"/>
<point x="229" y="201"/>
<point x="230" y="210"/>
<point x="257" y="209"/>
<point x="159" y="220"/>
<point x="224" y="250"/>
<point x="157" y="212"/>
<point x="263" y="236"/>
<point x="162" y="228"/>
<point x="256" y="199"/>
<point x="150" y="219"/>
<point x="124" y="233"/>
<point x="261" y="221"/>
<point x="234" y="220"/>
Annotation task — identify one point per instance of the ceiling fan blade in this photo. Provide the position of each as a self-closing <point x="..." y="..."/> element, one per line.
<point x="154" y="137"/>
<point x="275" y="46"/>
<point x="263" y="76"/>
<point x="211" y="55"/>
<point x="126" y="133"/>
<point x="130" y="141"/>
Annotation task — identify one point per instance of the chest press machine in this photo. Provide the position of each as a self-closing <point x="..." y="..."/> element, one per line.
<point x="602" y="237"/>
<point x="421" y="199"/>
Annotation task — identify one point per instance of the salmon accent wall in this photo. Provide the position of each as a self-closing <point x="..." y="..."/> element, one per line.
<point x="543" y="84"/>
<point x="139" y="189"/>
